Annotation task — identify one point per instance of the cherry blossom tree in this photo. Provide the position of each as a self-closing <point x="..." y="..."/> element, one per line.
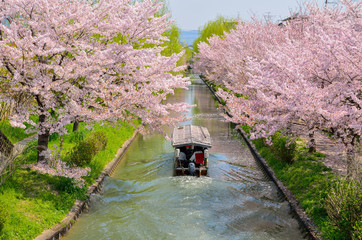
<point x="87" y="60"/>
<point x="316" y="75"/>
<point x="310" y="70"/>
<point x="224" y="61"/>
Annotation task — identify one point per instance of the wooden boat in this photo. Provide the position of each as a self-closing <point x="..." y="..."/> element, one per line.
<point x="191" y="145"/>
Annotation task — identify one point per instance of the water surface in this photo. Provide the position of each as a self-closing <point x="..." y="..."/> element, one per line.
<point x="142" y="200"/>
<point x="189" y="36"/>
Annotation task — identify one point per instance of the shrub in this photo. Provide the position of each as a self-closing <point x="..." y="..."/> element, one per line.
<point x="344" y="208"/>
<point x="99" y="141"/>
<point x="66" y="185"/>
<point x="283" y="147"/>
<point x="81" y="154"/>
<point x="84" y="151"/>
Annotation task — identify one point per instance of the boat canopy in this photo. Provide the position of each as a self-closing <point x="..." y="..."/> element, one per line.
<point x="191" y="135"/>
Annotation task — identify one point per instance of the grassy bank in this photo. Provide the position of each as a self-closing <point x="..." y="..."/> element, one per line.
<point x="307" y="178"/>
<point x="31" y="202"/>
<point x="314" y="185"/>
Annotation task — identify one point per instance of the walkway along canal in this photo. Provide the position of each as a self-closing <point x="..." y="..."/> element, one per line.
<point x="142" y="200"/>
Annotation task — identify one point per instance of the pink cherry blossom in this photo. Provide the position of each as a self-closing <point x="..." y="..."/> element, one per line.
<point x="88" y="60"/>
<point x="309" y="70"/>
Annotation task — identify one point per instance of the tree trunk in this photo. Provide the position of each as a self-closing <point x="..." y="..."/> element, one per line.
<point x="311" y="139"/>
<point x="75" y="125"/>
<point x="43" y="139"/>
<point x="353" y="164"/>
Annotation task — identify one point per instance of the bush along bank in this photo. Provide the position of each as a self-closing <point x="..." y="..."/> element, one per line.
<point x="31" y="202"/>
<point x="332" y="202"/>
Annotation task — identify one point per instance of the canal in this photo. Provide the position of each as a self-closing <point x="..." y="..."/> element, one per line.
<point x="142" y="200"/>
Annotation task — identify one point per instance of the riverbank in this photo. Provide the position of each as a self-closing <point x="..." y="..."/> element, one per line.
<point x="306" y="183"/>
<point x="31" y="202"/>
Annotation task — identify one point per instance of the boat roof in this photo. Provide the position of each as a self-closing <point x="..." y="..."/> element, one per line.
<point x="191" y="135"/>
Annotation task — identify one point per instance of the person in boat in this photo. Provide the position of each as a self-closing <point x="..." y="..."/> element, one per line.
<point x="193" y="157"/>
<point x="182" y="159"/>
<point x="182" y="156"/>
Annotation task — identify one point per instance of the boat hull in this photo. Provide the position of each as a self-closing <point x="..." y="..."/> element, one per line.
<point x="199" y="171"/>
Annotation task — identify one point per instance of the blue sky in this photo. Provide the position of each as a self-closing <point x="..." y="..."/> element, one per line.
<point x="191" y="14"/>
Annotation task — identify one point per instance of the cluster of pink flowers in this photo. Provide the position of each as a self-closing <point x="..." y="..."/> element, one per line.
<point x="56" y="167"/>
<point x="307" y="70"/>
<point x="88" y="60"/>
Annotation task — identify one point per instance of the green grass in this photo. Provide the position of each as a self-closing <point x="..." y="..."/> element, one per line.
<point x="308" y="179"/>
<point x="31" y="202"/>
<point x="14" y="134"/>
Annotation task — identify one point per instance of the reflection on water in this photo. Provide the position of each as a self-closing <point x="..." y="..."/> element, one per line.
<point x="142" y="200"/>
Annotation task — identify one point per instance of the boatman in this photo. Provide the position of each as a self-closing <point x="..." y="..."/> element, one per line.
<point x="182" y="159"/>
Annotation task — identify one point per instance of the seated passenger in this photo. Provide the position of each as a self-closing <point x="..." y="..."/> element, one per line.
<point x="182" y="156"/>
<point x="193" y="157"/>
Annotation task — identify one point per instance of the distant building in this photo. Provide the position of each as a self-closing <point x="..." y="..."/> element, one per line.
<point x="295" y="16"/>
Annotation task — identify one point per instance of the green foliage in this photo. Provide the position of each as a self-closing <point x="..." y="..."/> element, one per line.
<point x="67" y="185"/>
<point x="81" y="154"/>
<point x="69" y="140"/>
<point x="53" y="136"/>
<point x="283" y="147"/>
<point x="14" y="134"/>
<point x="357" y="233"/>
<point x="217" y="27"/>
<point x="246" y="128"/>
<point x="98" y="140"/>
<point x="78" y="135"/>
<point x="84" y="151"/>
<point x="187" y="57"/>
<point x="344" y="208"/>
<point x="174" y="45"/>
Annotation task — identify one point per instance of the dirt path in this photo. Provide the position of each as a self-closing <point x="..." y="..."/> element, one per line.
<point x="335" y="154"/>
<point x="20" y="146"/>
